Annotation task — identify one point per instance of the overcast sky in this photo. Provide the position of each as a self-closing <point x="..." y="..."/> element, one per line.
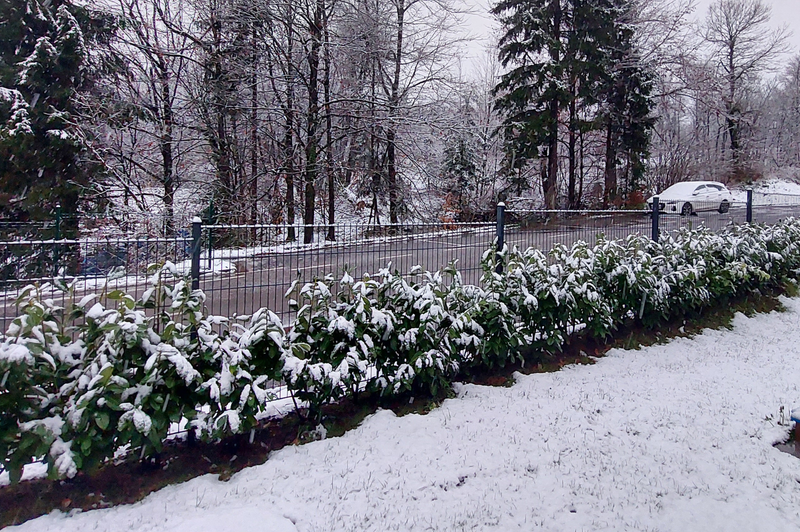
<point x="784" y="12"/>
<point x="480" y="23"/>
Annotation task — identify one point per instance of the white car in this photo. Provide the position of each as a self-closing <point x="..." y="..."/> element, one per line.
<point x="689" y="197"/>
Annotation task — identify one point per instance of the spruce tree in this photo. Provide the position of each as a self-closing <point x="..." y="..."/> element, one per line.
<point x="575" y="58"/>
<point x="460" y="175"/>
<point x="44" y="62"/>
<point x="624" y="92"/>
<point x="532" y="94"/>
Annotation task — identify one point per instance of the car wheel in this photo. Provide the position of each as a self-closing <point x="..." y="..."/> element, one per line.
<point x="724" y="207"/>
<point x="686" y="210"/>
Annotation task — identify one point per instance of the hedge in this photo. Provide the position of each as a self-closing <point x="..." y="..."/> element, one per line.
<point x="82" y="381"/>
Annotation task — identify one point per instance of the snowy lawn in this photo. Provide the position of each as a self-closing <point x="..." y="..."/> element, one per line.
<point x="675" y="437"/>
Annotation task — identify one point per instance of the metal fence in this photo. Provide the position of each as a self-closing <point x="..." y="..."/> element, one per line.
<point x="242" y="268"/>
<point x="91" y="264"/>
<point x="246" y="267"/>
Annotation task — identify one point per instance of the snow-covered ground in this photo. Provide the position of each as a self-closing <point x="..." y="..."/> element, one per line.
<point x="675" y="437"/>
<point x="780" y="187"/>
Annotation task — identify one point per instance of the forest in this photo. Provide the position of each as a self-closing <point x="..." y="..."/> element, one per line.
<point x="309" y="112"/>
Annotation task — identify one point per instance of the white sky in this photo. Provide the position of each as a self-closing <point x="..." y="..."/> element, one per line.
<point x="784" y="12"/>
<point x="480" y="24"/>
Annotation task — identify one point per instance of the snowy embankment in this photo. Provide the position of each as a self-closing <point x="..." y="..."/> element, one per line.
<point x="675" y="437"/>
<point x="780" y="189"/>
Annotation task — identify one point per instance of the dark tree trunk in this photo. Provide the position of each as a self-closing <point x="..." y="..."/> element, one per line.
<point x="254" y="131"/>
<point x="573" y="139"/>
<point x="580" y="171"/>
<point x="550" y="184"/>
<point x="610" y="175"/>
<point x="312" y="127"/>
<point x="731" y="109"/>
<point x="288" y="136"/>
<point x="394" y="104"/>
<point x="329" y="135"/>
<point x="373" y="166"/>
<point x="166" y="142"/>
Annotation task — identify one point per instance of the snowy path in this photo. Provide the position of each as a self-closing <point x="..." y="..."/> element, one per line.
<point x="668" y="438"/>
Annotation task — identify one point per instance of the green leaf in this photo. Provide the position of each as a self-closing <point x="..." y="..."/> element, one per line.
<point x="102" y="420"/>
<point x="106" y="373"/>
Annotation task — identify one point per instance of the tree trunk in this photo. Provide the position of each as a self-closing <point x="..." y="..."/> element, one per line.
<point x="254" y="131"/>
<point x="329" y="134"/>
<point x="166" y="141"/>
<point x="394" y="104"/>
<point x="288" y="135"/>
<point x="610" y="175"/>
<point x="550" y="186"/>
<point x="731" y="109"/>
<point x="373" y="167"/>
<point x="312" y="140"/>
<point x="219" y="110"/>
<point x="581" y="171"/>
<point x="572" y="142"/>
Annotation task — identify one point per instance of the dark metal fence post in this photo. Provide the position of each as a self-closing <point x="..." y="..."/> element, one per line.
<point x="749" y="205"/>
<point x="655" y="214"/>
<point x="57" y="237"/>
<point x="210" y="235"/>
<point x="196" y="232"/>
<point x="501" y="235"/>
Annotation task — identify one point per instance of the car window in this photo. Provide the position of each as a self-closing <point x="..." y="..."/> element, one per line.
<point x="717" y="188"/>
<point x="700" y="190"/>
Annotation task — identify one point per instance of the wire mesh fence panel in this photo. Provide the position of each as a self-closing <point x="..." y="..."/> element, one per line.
<point x="250" y="267"/>
<point x="709" y="214"/>
<point x="247" y="267"/>
<point x="770" y="207"/>
<point x="90" y="266"/>
<point x="544" y="229"/>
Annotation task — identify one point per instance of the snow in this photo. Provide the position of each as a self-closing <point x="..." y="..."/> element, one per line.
<point x="96" y="312"/>
<point x="674" y="437"/>
<point x="19" y="112"/>
<point x="15" y="354"/>
<point x="217" y="266"/>
<point x="29" y="472"/>
<point x="775" y="190"/>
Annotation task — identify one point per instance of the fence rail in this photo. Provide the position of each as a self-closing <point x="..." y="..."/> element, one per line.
<point x="242" y="268"/>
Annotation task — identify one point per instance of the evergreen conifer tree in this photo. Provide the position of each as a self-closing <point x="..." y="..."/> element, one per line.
<point x="460" y="175"/>
<point x="532" y="94"/>
<point x="568" y="56"/>
<point x="44" y="62"/>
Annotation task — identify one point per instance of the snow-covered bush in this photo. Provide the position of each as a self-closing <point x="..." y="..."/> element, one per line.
<point x="330" y="340"/>
<point x="488" y="332"/>
<point x="240" y="368"/>
<point x="416" y="353"/>
<point x="578" y="299"/>
<point x="36" y="354"/>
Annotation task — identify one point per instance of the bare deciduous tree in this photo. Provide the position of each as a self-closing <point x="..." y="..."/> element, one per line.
<point x="742" y="47"/>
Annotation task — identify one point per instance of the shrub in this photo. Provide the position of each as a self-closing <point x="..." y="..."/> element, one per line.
<point x="79" y="383"/>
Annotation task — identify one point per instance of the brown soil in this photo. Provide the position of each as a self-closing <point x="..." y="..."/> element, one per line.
<point x="132" y="480"/>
